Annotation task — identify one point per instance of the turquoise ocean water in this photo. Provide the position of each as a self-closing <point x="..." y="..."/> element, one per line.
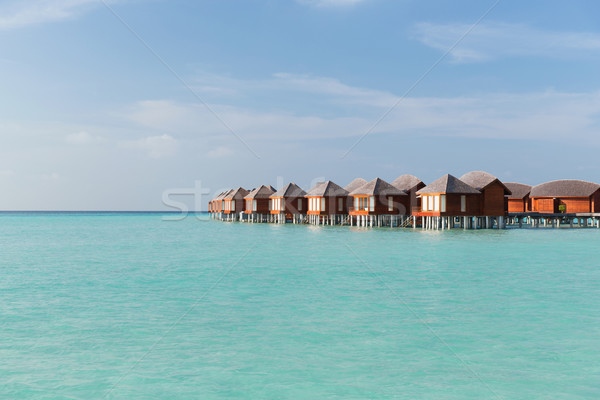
<point x="134" y="307"/>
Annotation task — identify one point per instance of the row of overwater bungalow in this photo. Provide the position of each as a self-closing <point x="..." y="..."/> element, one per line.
<point x="477" y="200"/>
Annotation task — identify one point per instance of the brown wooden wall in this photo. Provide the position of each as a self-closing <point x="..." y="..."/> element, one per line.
<point x="453" y="206"/>
<point x="549" y="205"/>
<point x="331" y="206"/>
<point x="596" y="202"/>
<point x="493" y="200"/>
<point x="518" y="205"/>
<point x="262" y="207"/>
<point x="401" y="206"/>
<point x="544" y="205"/>
<point x="576" y="205"/>
<point x="291" y="205"/>
<point x="240" y="205"/>
<point x="415" y="201"/>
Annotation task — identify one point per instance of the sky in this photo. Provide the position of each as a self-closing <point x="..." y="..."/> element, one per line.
<point x="129" y="104"/>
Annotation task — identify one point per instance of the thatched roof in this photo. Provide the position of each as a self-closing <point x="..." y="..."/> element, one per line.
<point x="407" y="182"/>
<point x="448" y="184"/>
<point x="355" y="184"/>
<point x="480" y="180"/>
<point x="289" y="190"/>
<point x="262" y="192"/>
<point x="377" y="187"/>
<point x="565" y="188"/>
<point x="518" y="190"/>
<point x="326" y="189"/>
<point x="236" y="194"/>
<point x="222" y="194"/>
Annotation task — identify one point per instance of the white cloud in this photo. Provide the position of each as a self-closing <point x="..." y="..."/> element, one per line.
<point x="6" y="173"/>
<point x="54" y="176"/>
<point x="219" y="152"/>
<point x="545" y="116"/>
<point x="338" y="91"/>
<point x="17" y="14"/>
<point x="330" y="3"/>
<point x="82" y="138"/>
<point x="495" y="40"/>
<point x="245" y="122"/>
<point x="155" y="146"/>
<point x="159" y="113"/>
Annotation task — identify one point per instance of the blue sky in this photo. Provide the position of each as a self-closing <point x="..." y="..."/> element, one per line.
<point x="266" y="92"/>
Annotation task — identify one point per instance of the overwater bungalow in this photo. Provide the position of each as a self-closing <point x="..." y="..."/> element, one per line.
<point x="411" y="185"/>
<point x="258" y="203"/>
<point x="218" y="203"/>
<point x="288" y="203"/>
<point x="376" y="202"/>
<point x="233" y="203"/>
<point x="445" y="199"/>
<point x="352" y="186"/>
<point x="493" y="193"/>
<point x="565" y="196"/>
<point x="518" y="201"/>
<point x="213" y="204"/>
<point x="327" y="203"/>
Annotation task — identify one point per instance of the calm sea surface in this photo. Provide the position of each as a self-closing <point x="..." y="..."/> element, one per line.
<point x="134" y="307"/>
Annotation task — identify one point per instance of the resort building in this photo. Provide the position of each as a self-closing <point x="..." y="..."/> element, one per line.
<point x="447" y="198"/>
<point x="493" y="201"/>
<point x="411" y="185"/>
<point x="288" y="203"/>
<point x="519" y="200"/>
<point x="478" y="200"/>
<point x="258" y="203"/>
<point x="376" y="199"/>
<point x="352" y="186"/>
<point x="218" y="202"/>
<point x="565" y="196"/>
<point x="327" y="203"/>
<point x="233" y="203"/>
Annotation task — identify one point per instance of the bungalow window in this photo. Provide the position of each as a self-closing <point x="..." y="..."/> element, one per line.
<point x="322" y="203"/>
<point x="443" y="203"/>
<point x="253" y="205"/>
<point x="299" y="204"/>
<point x="340" y="204"/>
<point x="430" y="204"/>
<point x="390" y="203"/>
<point x="463" y="203"/>
<point x="424" y="203"/>
<point x="371" y="203"/>
<point x="436" y="203"/>
<point x="232" y="205"/>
